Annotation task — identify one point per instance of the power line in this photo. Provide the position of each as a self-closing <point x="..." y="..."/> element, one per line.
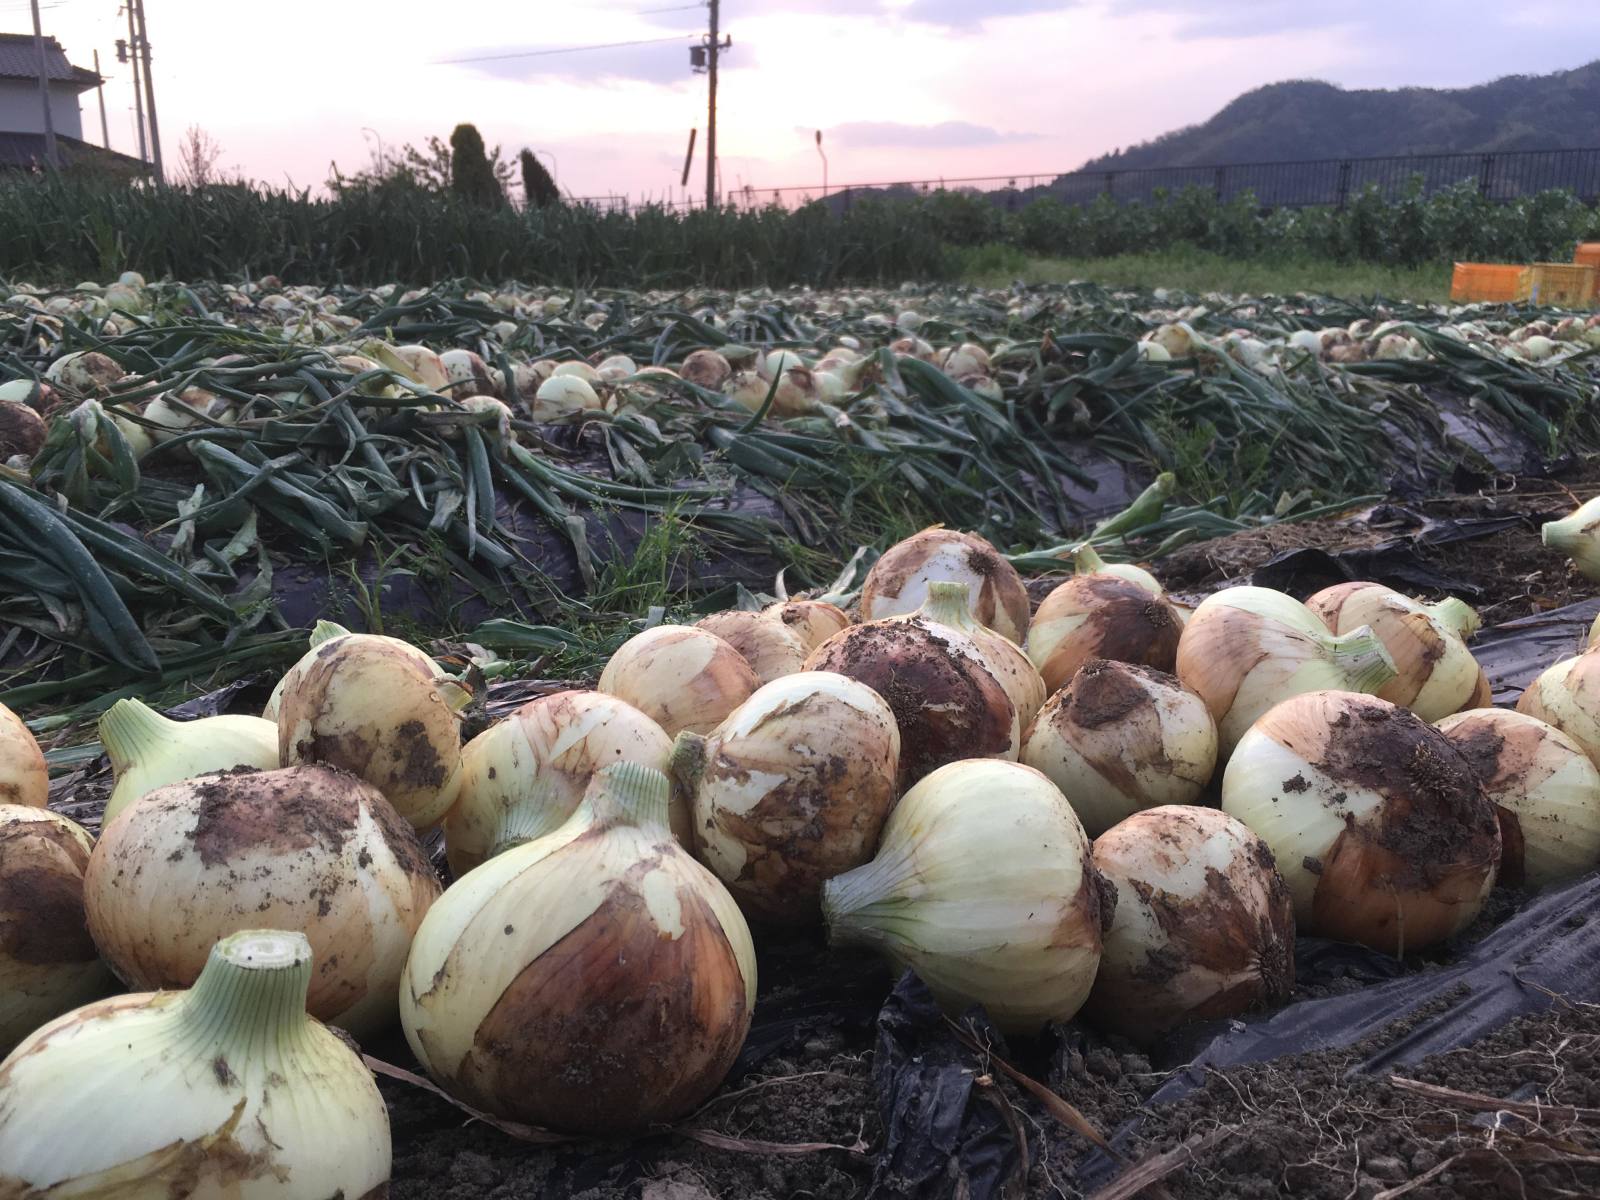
<point x="646" y="12"/>
<point x="677" y="37"/>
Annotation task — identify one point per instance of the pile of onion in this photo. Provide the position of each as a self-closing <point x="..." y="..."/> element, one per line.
<point x="305" y="848"/>
<point x="1246" y="649"/>
<point x="368" y="706"/>
<point x="1203" y="925"/>
<point x="1101" y="616"/>
<point x="555" y="743"/>
<point x="946" y="700"/>
<point x="48" y="963"/>
<point x="227" y="1089"/>
<point x="771" y="647"/>
<point x="1378" y="824"/>
<point x="898" y="581"/>
<point x="983" y="886"/>
<point x="1567" y="695"/>
<point x="1120" y="738"/>
<point x="1435" y="672"/>
<point x="792" y="789"/>
<point x="680" y="677"/>
<point x="1544" y="787"/>
<point x="24" y="778"/>
<point x="597" y="979"/>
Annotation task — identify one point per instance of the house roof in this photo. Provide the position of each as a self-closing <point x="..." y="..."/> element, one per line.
<point x="19" y="59"/>
<point x="26" y="150"/>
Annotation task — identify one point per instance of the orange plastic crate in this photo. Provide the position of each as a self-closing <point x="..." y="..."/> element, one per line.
<point x="1489" y="282"/>
<point x="1587" y="254"/>
<point x="1567" y="284"/>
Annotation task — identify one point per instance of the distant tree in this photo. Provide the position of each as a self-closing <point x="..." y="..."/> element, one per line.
<point x="430" y="167"/>
<point x="197" y="158"/>
<point x="538" y="189"/>
<point x="471" y="176"/>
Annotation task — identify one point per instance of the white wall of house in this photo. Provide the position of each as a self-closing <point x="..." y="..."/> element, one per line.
<point x="20" y="111"/>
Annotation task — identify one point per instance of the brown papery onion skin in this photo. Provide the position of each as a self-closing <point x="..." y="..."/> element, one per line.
<point x="1109" y="617"/>
<point x="897" y="583"/>
<point x="680" y="677"/>
<point x="772" y="649"/>
<point x="813" y="621"/>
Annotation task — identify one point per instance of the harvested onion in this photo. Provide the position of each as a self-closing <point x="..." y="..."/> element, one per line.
<point x="1378" y="824"/>
<point x="368" y="706"/>
<point x="148" y="750"/>
<point x="1577" y="536"/>
<point x="983" y="886"/>
<point x="227" y="1089"/>
<point x="791" y="789"/>
<point x="898" y="582"/>
<point x="946" y="700"/>
<point x="22" y="430"/>
<point x="24" y="778"/>
<point x="1203" y="925"/>
<point x="948" y="604"/>
<point x="1567" y="695"/>
<point x="1101" y="616"/>
<point x="1247" y="648"/>
<point x="1120" y="738"/>
<point x="770" y="647"/>
<point x="597" y="979"/>
<point x="48" y="962"/>
<point x="305" y="848"/>
<point x="1545" y="788"/>
<point x="706" y="368"/>
<point x="556" y="743"/>
<point x="813" y="621"/>
<point x="680" y="677"/>
<point x="1435" y="672"/>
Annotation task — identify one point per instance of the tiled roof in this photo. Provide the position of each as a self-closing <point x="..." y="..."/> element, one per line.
<point x="20" y="60"/>
<point x="27" y="150"/>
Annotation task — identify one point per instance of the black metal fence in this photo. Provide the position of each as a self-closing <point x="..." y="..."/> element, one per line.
<point x="1325" y="181"/>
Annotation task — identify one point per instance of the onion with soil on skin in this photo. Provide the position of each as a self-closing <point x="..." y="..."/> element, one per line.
<point x="898" y="581"/>
<point x="87" y="372"/>
<point x="303" y="848"/>
<point x="946" y="700"/>
<point x="1203" y="926"/>
<point x="597" y="979"/>
<point x="813" y="621"/>
<point x="148" y="750"/>
<point x="949" y="604"/>
<point x="1379" y="825"/>
<point x="984" y="886"/>
<point x="1246" y="649"/>
<point x="707" y="369"/>
<point x="21" y="430"/>
<point x="1544" y="787"/>
<point x="770" y="647"/>
<point x="554" y="743"/>
<point x="792" y="789"/>
<point x="1101" y="616"/>
<point x="469" y="375"/>
<point x="1435" y="672"/>
<point x="1567" y="695"/>
<point x="1120" y="738"/>
<point x="48" y="962"/>
<point x="680" y="677"/>
<point x="1086" y="560"/>
<point x="368" y="706"/>
<point x="24" y="778"/>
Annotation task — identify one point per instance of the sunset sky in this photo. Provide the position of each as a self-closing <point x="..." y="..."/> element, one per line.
<point x="900" y="88"/>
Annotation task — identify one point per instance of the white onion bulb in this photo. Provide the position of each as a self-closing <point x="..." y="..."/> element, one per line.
<point x="792" y="789"/>
<point x="1545" y="788"/>
<point x="304" y="848"/>
<point x="1378" y="824"/>
<point x="24" y="778"/>
<point x="813" y="621"/>
<point x="1203" y="926"/>
<point x="1101" y="616"/>
<point x="983" y="886"/>
<point x="1567" y="695"/>
<point x="680" y="677"/>
<point x="898" y="581"/>
<point x="1247" y="648"/>
<point x="148" y="750"/>
<point x="1578" y="537"/>
<point x="1120" y="738"/>
<point x="770" y="647"/>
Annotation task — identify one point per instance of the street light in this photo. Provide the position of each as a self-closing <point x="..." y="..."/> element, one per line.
<point x="381" y="160"/>
<point x="824" y="158"/>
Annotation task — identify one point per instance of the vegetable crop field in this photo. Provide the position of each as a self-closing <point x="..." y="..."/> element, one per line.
<point x="941" y="739"/>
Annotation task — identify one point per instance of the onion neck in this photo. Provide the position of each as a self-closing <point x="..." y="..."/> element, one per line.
<point x="852" y="903"/>
<point x="251" y="997"/>
<point x="1560" y="535"/>
<point x="131" y="732"/>
<point x="325" y="631"/>
<point x="529" y="818"/>
<point x="1363" y="659"/>
<point x="1086" y="560"/>
<point x="1459" y="617"/>
<point x="628" y="793"/>
<point x="688" y="761"/>
<point x="948" y="604"/>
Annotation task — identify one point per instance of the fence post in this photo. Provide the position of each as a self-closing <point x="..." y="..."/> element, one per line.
<point x="1111" y="177"/>
<point x="1222" y="173"/>
<point x="1486" y="176"/>
<point x="1344" y="183"/>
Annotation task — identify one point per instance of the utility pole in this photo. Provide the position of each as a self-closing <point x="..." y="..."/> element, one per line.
<point x="714" y="45"/>
<point x="149" y="92"/>
<point x="100" y="91"/>
<point x="50" y="155"/>
<point x="127" y="51"/>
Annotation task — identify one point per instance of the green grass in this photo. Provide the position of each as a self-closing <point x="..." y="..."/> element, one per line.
<point x="1201" y="271"/>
